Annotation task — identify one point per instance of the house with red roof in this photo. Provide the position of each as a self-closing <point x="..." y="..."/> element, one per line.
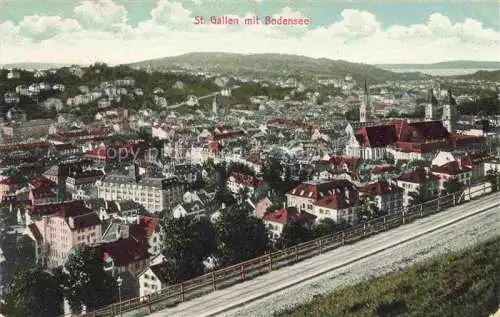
<point x="9" y="189"/>
<point x="335" y="199"/>
<point x="150" y="228"/>
<point x="371" y="142"/>
<point x="57" y="228"/>
<point x="453" y="170"/>
<point x="239" y="181"/>
<point x="407" y="140"/>
<point x="383" y="172"/>
<point x="42" y="191"/>
<point x="418" y="180"/>
<point x="277" y="220"/>
<point x="124" y="247"/>
<point x="389" y="198"/>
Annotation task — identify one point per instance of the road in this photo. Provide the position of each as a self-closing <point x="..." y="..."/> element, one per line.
<point x="238" y="299"/>
<point x="199" y="98"/>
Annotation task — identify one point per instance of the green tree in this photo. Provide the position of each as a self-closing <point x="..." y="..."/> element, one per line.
<point x="239" y="235"/>
<point x="327" y="226"/>
<point x="369" y="208"/>
<point x="418" y="197"/>
<point x="187" y="241"/>
<point x="452" y="186"/>
<point x="294" y="233"/>
<point x="34" y="293"/>
<point x="84" y="280"/>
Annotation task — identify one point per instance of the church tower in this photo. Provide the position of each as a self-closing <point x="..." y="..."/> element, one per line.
<point x="431" y="108"/>
<point x="214" y="105"/>
<point x="450" y="113"/>
<point x="365" y="109"/>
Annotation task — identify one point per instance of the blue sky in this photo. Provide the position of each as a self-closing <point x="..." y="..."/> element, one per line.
<point x="118" y="31"/>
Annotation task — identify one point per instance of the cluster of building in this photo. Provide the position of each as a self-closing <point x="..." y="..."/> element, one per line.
<point x="87" y="184"/>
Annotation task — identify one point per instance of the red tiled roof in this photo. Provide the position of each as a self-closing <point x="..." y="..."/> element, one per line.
<point x="451" y="168"/>
<point x="423" y="131"/>
<point x="10" y="181"/>
<point x="149" y="223"/>
<point x="418" y="175"/>
<point x="86" y="220"/>
<point x="125" y="251"/>
<point x="382" y="169"/>
<point x="460" y="140"/>
<point x="473" y="159"/>
<point x="378" y="188"/>
<point x="350" y="161"/>
<point x="321" y="189"/>
<point x="289" y="214"/>
<point x="246" y="180"/>
<point x="42" y="182"/>
<point x="214" y="146"/>
<point x="22" y="146"/>
<point x="376" y="136"/>
<point x="338" y="200"/>
<point x="74" y="207"/>
<point x="64" y="146"/>
<point x="42" y="192"/>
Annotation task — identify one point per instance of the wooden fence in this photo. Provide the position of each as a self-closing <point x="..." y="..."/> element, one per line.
<point x="237" y="273"/>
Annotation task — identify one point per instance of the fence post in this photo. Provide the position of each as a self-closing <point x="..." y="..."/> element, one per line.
<point x="439" y="199"/>
<point x="454" y="202"/>
<point x="182" y="292"/>
<point x="343" y="238"/>
<point x="242" y="272"/>
<point x="214" y="286"/>
<point x="270" y="262"/>
<point x="320" y="246"/>
<point x="404" y="217"/>
<point x="296" y="253"/>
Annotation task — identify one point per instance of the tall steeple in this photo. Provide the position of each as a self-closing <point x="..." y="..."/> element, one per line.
<point x="450" y="113"/>
<point x="365" y="109"/>
<point x="214" y="104"/>
<point x="430" y="109"/>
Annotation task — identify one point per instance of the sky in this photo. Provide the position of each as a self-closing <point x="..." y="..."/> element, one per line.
<point x="364" y="31"/>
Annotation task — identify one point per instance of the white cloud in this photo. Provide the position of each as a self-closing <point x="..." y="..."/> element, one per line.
<point x="170" y="12"/>
<point x="357" y="36"/>
<point x="43" y="26"/>
<point x="101" y="15"/>
<point x="354" y="25"/>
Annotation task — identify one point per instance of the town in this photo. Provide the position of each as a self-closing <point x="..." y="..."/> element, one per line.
<point x="117" y="182"/>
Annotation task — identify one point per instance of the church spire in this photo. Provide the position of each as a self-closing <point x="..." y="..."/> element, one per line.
<point x="451" y="100"/>
<point x="432" y="98"/>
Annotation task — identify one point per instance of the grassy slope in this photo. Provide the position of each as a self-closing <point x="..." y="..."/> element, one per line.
<point x="460" y="284"/>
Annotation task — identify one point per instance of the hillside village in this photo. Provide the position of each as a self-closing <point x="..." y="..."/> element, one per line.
<point x="168" y="175"/>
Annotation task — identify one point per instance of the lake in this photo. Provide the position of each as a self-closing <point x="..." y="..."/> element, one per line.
<point x="442" y="71"/>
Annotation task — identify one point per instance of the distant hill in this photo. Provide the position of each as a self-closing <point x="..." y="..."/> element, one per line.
<point x="451" y="64"/>
<point x="276" y="65"/>
<point x="482" y="75"/>
<point x="34" y="66"/>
